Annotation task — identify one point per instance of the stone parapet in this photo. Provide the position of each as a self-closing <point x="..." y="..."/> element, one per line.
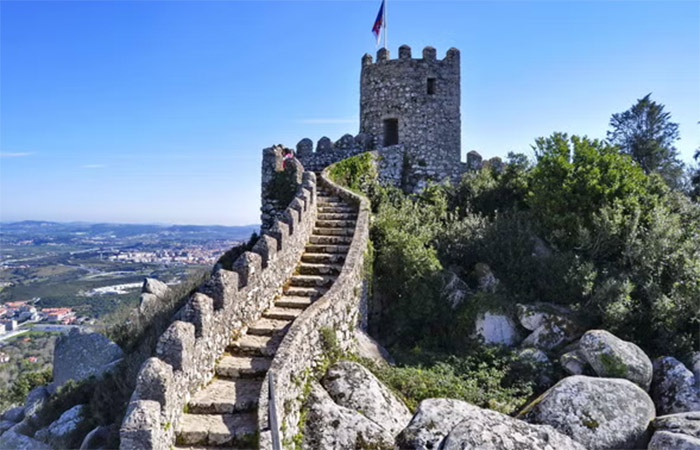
<point x="222" y="308"/>
<point x="341" y="309"/>
<point x="327" y="152"/>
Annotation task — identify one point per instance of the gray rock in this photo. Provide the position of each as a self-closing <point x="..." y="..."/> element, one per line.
<point x="600" y="413"/>
<point x="305" y="147"/>
<point x="431" y="424"/>
<point x="549" y="336"/>
<point x="60" y="431"/>
<point x="695" y="367"/>
<point x="666" y="440"/>
<point x="456" y="290"/>
<point x="485" y="277"/>
<point x="497" y="328"/>
<point x="537" y="360"/>
<point x="533" y="316"/>
<point x="16" y="441"/>
<point x="36" y="398"/>
<point x="574" y="362"/>
<point x="15" y="414"/>
<point x="453" y="424"/>
<point x="369" y="348"/>
<point x="674" y="389"/>
<point x="80" y="354"/>
<point x="684" y="423"/>
<point x="331" y="426"/>
<point x="97" y="438"/>
<point x="352" y="386"/>
<point x="155" y="287"/>
<point x="6" y="425"/>
<point x="612" y="357"/>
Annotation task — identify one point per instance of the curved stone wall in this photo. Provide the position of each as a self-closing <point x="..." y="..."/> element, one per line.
<point x="340" y="309"/>
<point x="223" y="307"/>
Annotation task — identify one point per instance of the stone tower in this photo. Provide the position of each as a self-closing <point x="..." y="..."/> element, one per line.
<point x="414" y="103"/>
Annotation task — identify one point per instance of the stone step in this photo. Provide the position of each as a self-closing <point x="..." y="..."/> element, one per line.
<point x="243" y="366"/>
<point x="323" y="209"/>
<point x="329" y="199"/>
<point x="252" y="345"/>
<point x="278" y="312"/>
<point x="287" y="301"/>
<point x="312" y="281"/>
<point x="267" y="327"/>
<point x="226" y="396"/>
<point x="330" y="240"/>
<point x="323" y="258"/>
<point x="301" y="291"/>
<point x="334" y="231"/>
<point x="319" y="269"/>
<point x="326" y="248"/>
<point x="335" y="223"/>
<point x="217" y="429"/>
<point x="337" y="216"/>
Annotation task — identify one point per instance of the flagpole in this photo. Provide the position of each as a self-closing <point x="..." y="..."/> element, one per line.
<point x="386" y="29"/>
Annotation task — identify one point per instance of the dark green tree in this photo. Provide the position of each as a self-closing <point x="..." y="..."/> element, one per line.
<point x="695" y="178"/>
<point x="646" y="133"/>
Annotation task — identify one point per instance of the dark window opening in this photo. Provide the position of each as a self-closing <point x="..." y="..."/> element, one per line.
<point x="431" y="86"/>
<point x="391" y="132"/>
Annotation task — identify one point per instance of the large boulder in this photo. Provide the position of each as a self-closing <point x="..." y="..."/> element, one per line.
<point x="155" y="287"/>
<point x="695" y="367"/>
<point x="61" y="430"/>
<point x="674" y="389"/>
<point x="600" y="413"/>
<point x="331" y="426"/>
<point x="15" y="414"/>
<point x="532" y="316"/>
<point x="6" y="425"/>
<point x="666" y="440"/>
<point x="80" y="354"/>
<point x="36" y="399"/>
<point x="456" y="425"/>
<point x="612" y="357"/>
<point x="551" y="325"/>
<point x="367" y="347"/>
<point x="497" y="328"/>
<point x="16" y="441"/>
<point x="352" y="386"/>
<point x="574" y="362"/>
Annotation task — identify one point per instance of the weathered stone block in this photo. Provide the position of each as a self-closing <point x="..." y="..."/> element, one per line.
<point x="176" y="345"/>
<point x="141" y="428"/>
<point x="248" y="266"/>
<point x="154" y="382"/>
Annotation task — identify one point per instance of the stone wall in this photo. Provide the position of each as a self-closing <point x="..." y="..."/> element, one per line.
<point x="223" y="307"/>
<point x="276" y="182"/>
<point x="327" y="152"/>
<point x="341" y="309"/>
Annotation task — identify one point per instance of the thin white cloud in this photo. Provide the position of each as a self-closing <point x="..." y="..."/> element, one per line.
<point x="93" y="166"/>
<point x="15" y="154"/>
<point x="327" y="120"/>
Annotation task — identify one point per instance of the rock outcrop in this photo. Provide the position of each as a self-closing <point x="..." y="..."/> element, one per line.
<point x="352" y="386"/>
<point x="331" y="426"/>
<point x="674" y="389"/>
<point x="59" y="432"/>
<point x="612" y="357"/>
<point x="600" y="413"/>
<point x="80" y="354"/>
<point x="456" y="425"/>
<point x="676" y="432"/>
<point x="16" y="441"/>
<point x="497" y="328"/>
<point x="551" y="325"/>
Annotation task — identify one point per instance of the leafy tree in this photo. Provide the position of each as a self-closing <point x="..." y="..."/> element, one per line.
<point x="576" y="177"/>
<point x="695" y="178"/>
<point x="646" y="133"/>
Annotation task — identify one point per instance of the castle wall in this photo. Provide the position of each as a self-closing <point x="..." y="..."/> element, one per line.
<point x="227" y="303"/>
<point x="429" y="124"/>
<point x="341" y="309"/>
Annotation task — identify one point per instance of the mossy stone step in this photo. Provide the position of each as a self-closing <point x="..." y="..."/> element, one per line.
<point x="243" y="366"/>
<point x="323" y="209"/>
<point x="267" y="327"/>
<point x="326" y="248"/>
<point x="323" y="258"/>
<point x="288" y="301"/>
<point x="330" y="240"/>
<point x="304" y="291"/>
<point x="226" y="396"/>
<point x="337" y="216"/>
<point x="217" y="429"/>
<point x="325" y="231"/>
<point x="312" y="281"/>
<point x="252" y="345"/>
<point x="335" y="223"/>
<point x="319" y="269"/>
<point x="278" y="312"/>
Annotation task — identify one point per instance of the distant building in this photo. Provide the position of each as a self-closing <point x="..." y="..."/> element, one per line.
<point x="10" y="325"/>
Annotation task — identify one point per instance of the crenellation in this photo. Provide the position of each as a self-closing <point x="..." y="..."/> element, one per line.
<point x="366" y="59"/>
<point x="429" y="53"/>
<point x="247" y="266"/>
<point x="176" y="345"/>
<point x="222" y="286"/>
<point x="305" y="147"/>
<point x="199" y="311"/>
<point x="345" y="142"/>
<point x="324" y="145"/>
<point x="383" y="54"/>
<point x="155" y="382"/>
<point x="404" y="52"/>
<point x="266" y="247"/>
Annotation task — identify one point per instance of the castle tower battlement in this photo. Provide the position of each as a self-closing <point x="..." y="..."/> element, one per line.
<point x="414" y="103"/>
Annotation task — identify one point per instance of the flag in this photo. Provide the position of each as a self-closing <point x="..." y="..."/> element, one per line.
<point x="379" y="23"/>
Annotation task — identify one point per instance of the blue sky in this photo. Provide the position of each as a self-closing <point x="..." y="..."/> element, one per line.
<point x="157" y="111"/>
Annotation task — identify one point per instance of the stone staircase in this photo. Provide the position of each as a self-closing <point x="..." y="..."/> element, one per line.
<point x="223" y="414"/>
